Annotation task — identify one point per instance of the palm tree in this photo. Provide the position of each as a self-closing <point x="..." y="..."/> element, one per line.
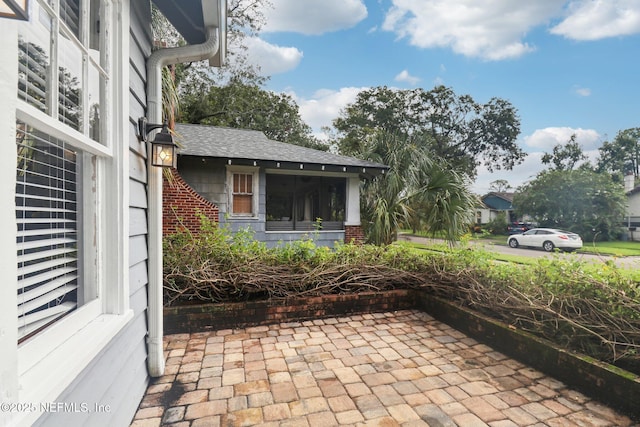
<point x="418" y="191"/>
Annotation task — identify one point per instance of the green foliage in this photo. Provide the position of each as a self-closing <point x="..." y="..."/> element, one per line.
<point x="498" y="225"/>
<point x="450" y="126"/>
<point x="592" y="310"/>
<point x="418" y="190"/>
<point x="622" y="155"/>
<point x="499" y="186"/>
<point x="247" y="106"/>
<point x="565" y="157"/>
<point x="582" y="201"/>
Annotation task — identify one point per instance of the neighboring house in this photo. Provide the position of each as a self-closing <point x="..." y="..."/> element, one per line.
<point x="80" y="301"/>
<point x="280" y="191"/>
<point x="632" y="220"/>
<point x="493" y="204"/>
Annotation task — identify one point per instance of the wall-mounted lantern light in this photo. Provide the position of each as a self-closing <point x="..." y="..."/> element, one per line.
<point x="15" y="9"/>
<point x="163" y="149"/>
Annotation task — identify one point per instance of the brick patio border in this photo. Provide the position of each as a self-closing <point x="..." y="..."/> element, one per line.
<point x="613" y="386"/>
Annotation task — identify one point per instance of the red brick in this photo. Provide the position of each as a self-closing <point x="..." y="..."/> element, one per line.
<point x="181" y="206"/>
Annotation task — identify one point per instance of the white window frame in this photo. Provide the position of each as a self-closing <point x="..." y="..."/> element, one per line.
<point x="50" y="361"/>
<point x="247" y="170"/>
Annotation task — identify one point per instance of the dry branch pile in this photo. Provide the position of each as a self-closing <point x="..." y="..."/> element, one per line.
<point x="598" y="316"/>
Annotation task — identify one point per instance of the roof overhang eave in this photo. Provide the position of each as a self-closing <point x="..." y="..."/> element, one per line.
<point x="192" y="18"/>
<point x="365" y="171"/>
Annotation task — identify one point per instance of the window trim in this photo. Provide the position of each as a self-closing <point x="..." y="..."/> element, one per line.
<point x="50" y="125"/>
<point x="247" y="170"/>
<point x="44" y="379"/>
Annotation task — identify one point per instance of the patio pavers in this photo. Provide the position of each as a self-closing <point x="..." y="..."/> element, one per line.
<point x="384" y="369"/>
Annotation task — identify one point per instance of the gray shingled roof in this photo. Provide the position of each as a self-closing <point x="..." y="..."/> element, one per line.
<point x="228" y="143"/>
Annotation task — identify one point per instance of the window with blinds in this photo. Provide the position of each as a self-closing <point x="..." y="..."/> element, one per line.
<point x="242" y="202"/>
<point x="63" y="71"/>
<point x="47" y="199"/>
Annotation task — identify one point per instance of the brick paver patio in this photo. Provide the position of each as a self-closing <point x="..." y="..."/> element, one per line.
<point x="386" y="369"/>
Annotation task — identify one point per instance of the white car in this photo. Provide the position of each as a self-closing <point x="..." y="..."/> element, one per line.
<point x="547" y="239"/>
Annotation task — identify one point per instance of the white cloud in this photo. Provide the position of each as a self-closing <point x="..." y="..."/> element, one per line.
<point x="314" y="17"/>
<point x="545" y="139"/>
<point x="488" y="29"/>
<point x="594" y="20"/>
<point x="272" y="59"/>
<point x="404" y="76"/>
<point x="324" y="106"/>
<point x="583" y="91"/>
<point x="516" y="177"/>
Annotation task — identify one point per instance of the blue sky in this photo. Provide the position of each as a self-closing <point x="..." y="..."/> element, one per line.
<point x="566" y="66"/>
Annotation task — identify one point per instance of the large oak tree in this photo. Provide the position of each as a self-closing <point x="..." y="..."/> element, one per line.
<point x="453" y="127"/>
<point x="622" y="155"/>
<point x="579" y="200"/>
<point x="248" y="106"/>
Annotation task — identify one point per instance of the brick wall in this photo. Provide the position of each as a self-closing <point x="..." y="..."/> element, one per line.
<point x="353" y="233"/>
<point x="181" y="206"/>
<point x="198" y="318"/>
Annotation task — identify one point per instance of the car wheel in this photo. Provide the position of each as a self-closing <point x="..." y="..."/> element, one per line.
<point x="548" y="246"/>
<point x="513" y="243"/>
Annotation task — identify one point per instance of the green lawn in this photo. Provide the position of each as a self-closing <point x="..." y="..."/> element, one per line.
<point x="615" y="248"/>
<point x="602" y="248"/>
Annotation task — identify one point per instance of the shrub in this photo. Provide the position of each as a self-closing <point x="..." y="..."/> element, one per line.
<point x="498" y="225"/>
<point x="592" y="310"/>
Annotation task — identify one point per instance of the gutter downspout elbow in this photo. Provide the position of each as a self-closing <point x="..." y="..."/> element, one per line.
<point x="156" y="61"/>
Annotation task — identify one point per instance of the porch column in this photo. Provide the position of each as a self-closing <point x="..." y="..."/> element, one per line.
<point x="352" y="229"/>
<point x="352" y="214"/>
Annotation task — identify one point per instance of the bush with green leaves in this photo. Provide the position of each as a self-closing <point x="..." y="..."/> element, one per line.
<point x="498" y="225"/>
<point x="591" y="309"/>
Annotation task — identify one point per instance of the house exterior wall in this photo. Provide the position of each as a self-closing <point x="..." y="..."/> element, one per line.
<point x="208" y="176"/>
<point x="634" y="206"/>
<point x="484" y="215"/>
<point x="633" y="216"/>
<point x="114" y="380"/>
<point x="488" y="215"/>
<point x="182" y="206"/>
<point x="494" y="206"/>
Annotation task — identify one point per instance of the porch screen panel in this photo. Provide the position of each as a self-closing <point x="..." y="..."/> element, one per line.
<point x="47" y="220"/>
<point x="242" y="193"/>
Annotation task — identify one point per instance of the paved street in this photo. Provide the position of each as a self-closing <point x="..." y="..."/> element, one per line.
<point x="385" y="369"/>
<point x="632" y="262"/>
